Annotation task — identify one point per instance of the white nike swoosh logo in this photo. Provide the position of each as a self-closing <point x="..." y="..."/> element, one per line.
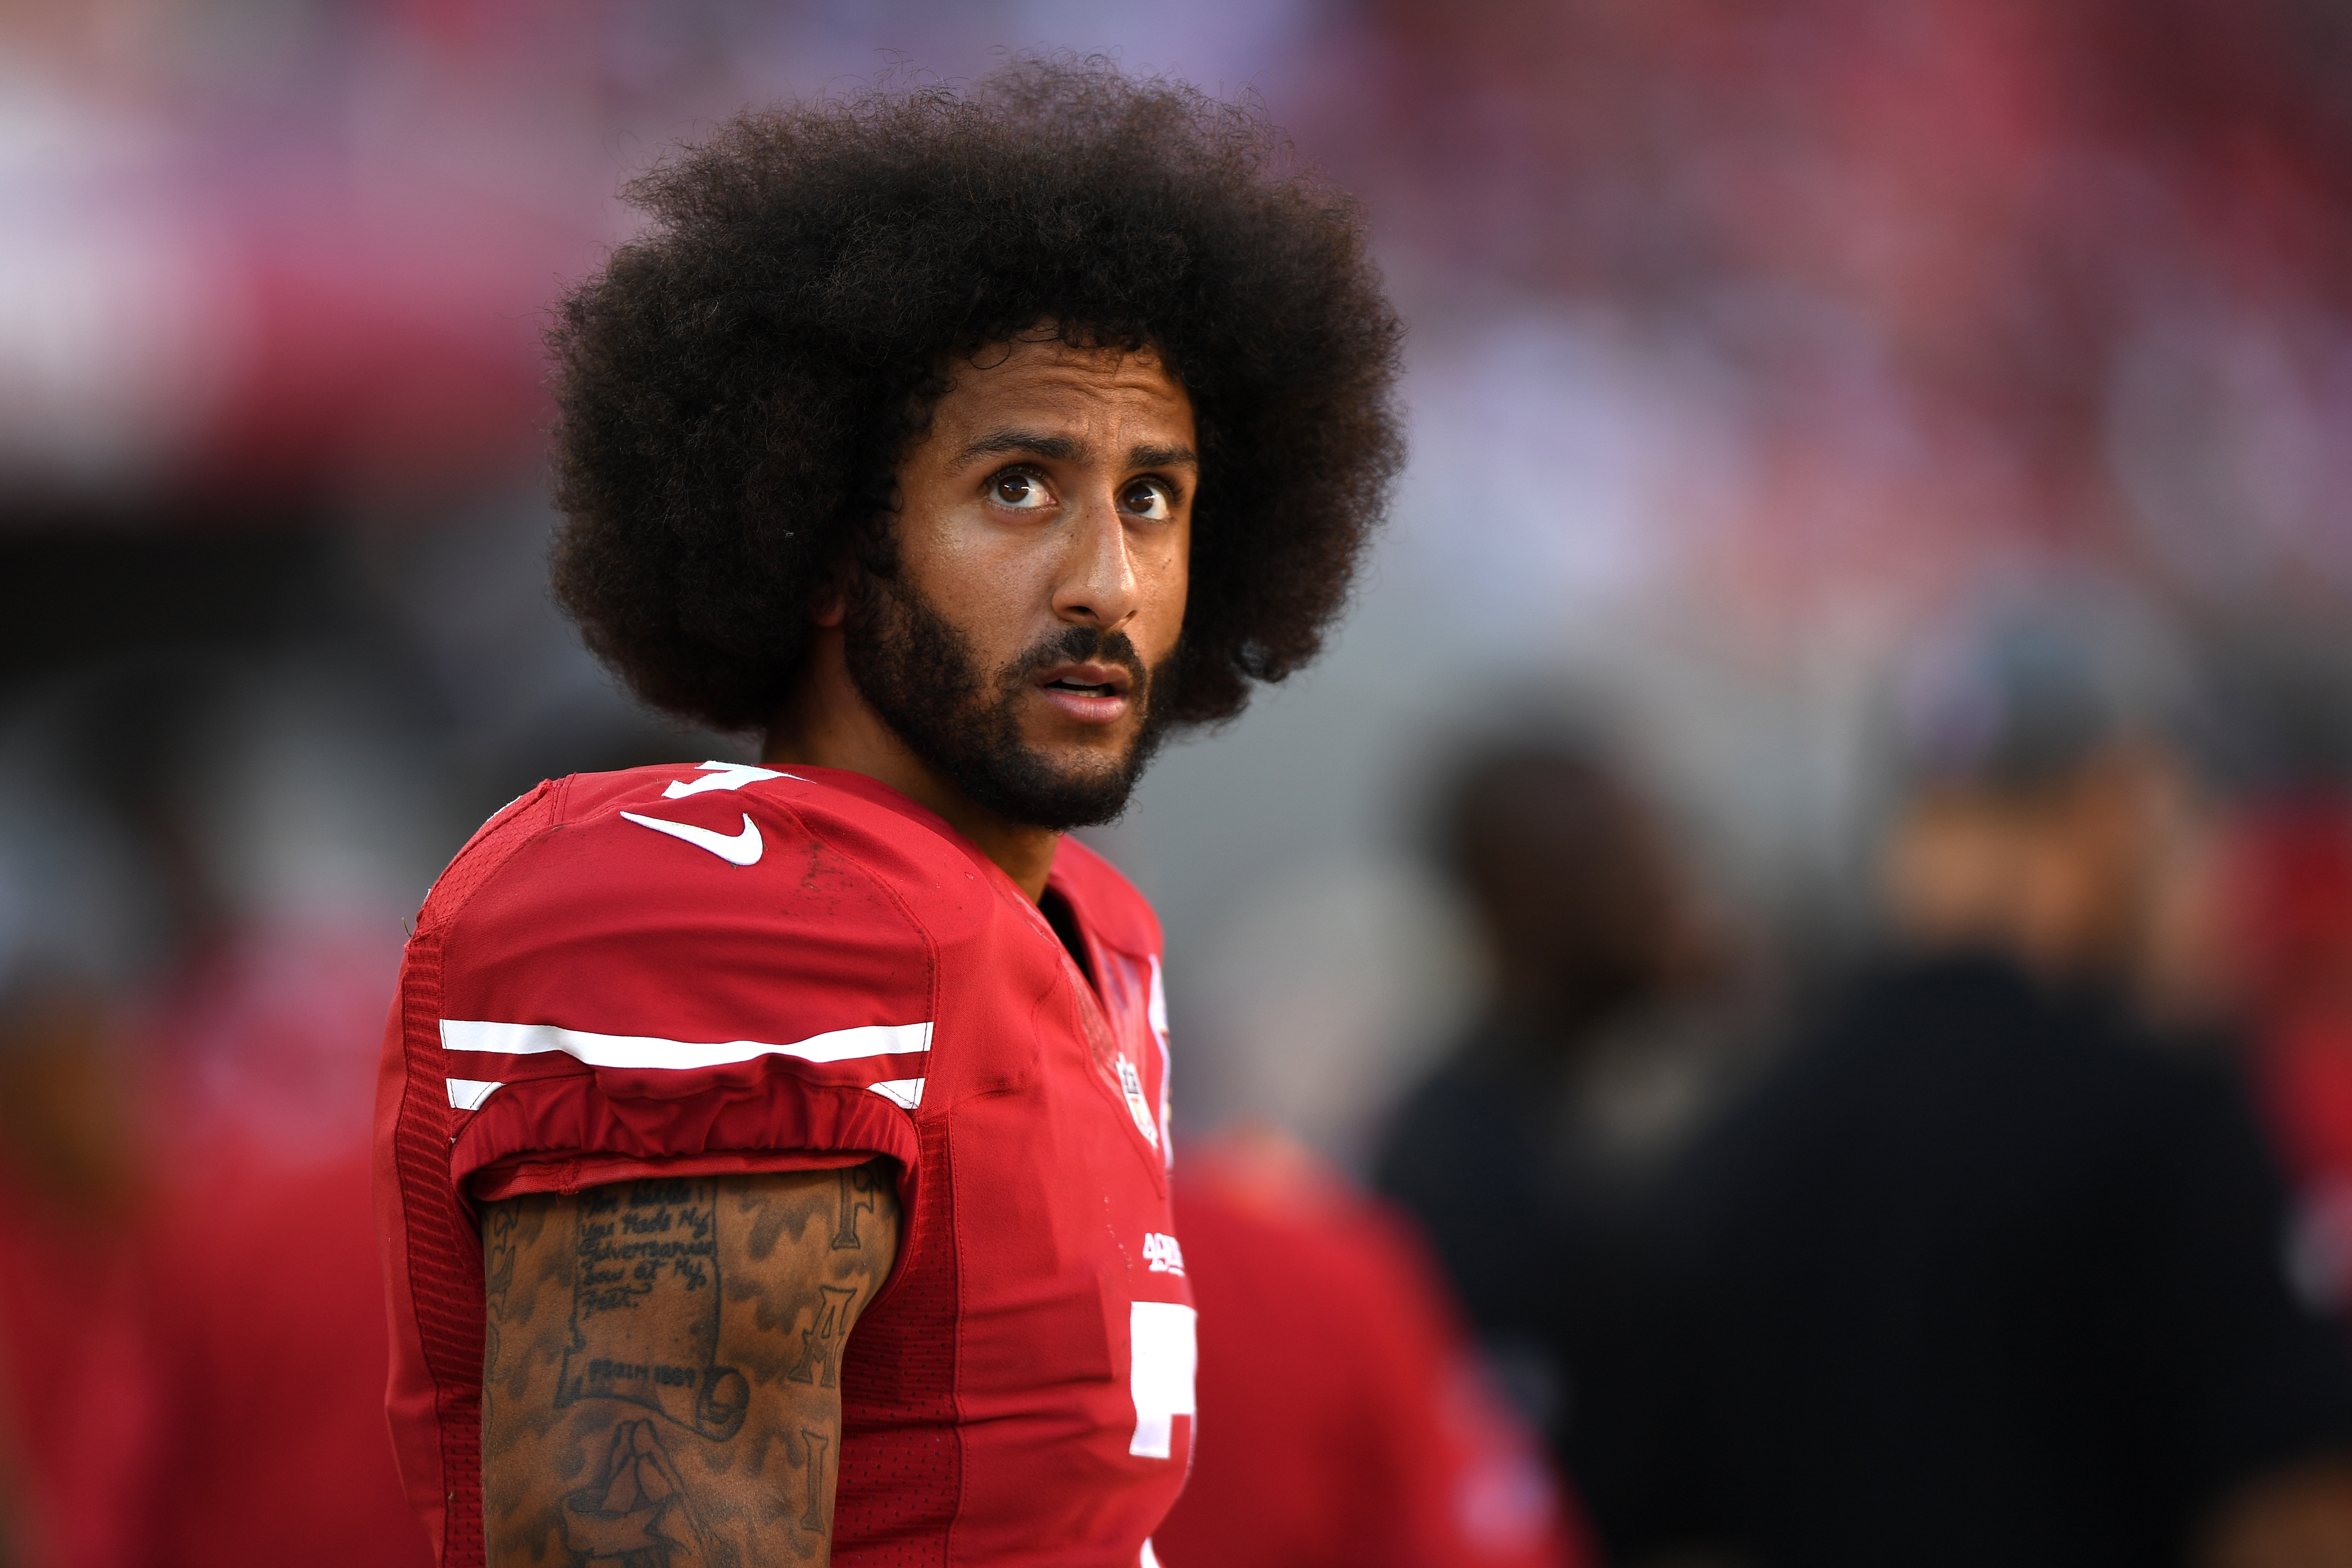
<point x="736" y="848"/>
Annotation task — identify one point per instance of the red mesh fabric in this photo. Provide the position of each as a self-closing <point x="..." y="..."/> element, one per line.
<point x="443" y="1268"/>
<point x="901" y="1462"/>
<point x="445" y="1259"/>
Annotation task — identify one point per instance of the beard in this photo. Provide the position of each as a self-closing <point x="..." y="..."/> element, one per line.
<point x="919" y="673"/>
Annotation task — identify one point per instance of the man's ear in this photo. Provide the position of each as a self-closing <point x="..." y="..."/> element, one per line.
<point x="831" y="606"/>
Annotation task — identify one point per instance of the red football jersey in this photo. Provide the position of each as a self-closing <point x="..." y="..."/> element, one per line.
<point x="725" y="969"/>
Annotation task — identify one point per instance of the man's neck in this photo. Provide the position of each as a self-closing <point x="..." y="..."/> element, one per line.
<point x="831" y="725"/>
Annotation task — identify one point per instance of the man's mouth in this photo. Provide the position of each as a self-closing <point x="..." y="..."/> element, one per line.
<point x="1091" y="693"/>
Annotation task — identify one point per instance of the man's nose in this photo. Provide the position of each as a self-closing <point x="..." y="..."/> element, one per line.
<point x="1097" y="586"/>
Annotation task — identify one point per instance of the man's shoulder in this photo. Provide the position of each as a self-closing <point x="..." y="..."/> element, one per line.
<point x="706" y="841"/>
<point x="690" y="916"/>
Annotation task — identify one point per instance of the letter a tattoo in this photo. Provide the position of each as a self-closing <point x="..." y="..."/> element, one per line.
<point x="821" y="1341"/>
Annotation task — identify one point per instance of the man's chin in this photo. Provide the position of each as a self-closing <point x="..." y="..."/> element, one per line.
<point x="1058" y="784"/>
<point x="1099" y="752"/>
<point x="1063" y="790"/>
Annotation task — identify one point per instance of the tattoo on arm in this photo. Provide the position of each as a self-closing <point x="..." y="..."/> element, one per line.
<point x="645" y="1307"/>
<point x="857" y="1184"/>
<point x="814" y="1516"/>
<point x="821" y="1341"/>
<point x="508" y="1231"/>
<point x="661" y="1369"/>
<point x="497" y="1279"/>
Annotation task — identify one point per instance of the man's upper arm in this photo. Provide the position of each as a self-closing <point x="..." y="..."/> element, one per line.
<point x="661" y="1367"/>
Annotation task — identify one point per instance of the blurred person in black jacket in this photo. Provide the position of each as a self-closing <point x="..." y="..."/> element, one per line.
<point x="1529" y="1156"/>
<point x="1989" y="1272"/>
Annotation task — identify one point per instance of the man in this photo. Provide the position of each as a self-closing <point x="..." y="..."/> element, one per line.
<point x="772" y="1160"/>
<point x="1988" y="1273"/>
<point x="1529" y="1154"/>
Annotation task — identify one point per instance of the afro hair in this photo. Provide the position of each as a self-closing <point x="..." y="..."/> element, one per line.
<point x="736" y="387"/>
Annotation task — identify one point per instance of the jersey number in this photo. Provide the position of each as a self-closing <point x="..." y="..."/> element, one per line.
<point x="1160" y="1377"/>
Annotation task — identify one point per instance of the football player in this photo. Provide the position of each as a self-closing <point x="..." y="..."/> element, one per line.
<point x="772" y="1160"/>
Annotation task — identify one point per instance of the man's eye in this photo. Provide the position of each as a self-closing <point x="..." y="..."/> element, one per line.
<point x="1024" y="492"/>
<point x="1147" y="499"/>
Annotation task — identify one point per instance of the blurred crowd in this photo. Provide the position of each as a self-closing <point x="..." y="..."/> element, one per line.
<point x="2012" y="1242"/>
<point x="1786" y="997"/>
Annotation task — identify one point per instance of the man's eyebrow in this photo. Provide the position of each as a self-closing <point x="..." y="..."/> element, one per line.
<point x="1070" y="450"/>
<point x="996" y="443"/>
<point x="1163" y="458"/>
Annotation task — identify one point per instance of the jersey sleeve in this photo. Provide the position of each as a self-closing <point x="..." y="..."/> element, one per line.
<point x="684" y="971"/>
<point x="615" y="998"/>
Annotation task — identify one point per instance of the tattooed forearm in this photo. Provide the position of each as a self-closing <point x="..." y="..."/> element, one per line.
<point x="661" y="1376"/>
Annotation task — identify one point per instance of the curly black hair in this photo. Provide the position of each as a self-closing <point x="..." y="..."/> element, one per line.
<point x="735" y="389"/>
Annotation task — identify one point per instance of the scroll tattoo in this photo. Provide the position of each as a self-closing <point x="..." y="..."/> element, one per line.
<point x="645" y="1307"/>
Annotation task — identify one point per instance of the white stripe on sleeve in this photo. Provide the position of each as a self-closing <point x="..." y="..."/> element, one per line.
<point x="651" y="1051"/>
<point x="468" y="1093"/>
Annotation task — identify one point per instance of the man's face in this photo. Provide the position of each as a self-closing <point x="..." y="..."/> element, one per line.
<point x="1043" y="538"/>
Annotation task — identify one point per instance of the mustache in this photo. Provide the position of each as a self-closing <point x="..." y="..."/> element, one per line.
<point x="1083" y="644"/>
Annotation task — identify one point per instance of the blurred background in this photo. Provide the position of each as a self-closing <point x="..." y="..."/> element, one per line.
<point x="1760" y="357"/>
